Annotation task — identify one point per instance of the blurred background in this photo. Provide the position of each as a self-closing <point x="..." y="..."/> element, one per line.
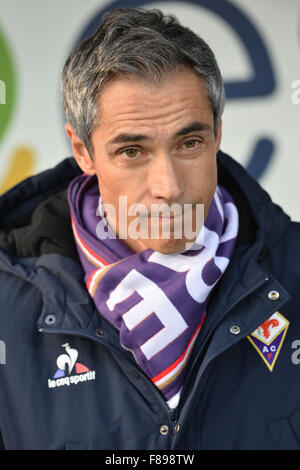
<point x="257" y="46"/>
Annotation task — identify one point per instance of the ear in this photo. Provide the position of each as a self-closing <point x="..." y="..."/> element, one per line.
<point x="219" y="131"/>
<point x="219" y="135"/>
<point x="80" y="152"/>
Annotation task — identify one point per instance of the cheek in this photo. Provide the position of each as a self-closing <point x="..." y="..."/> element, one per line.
<point x="202" y="181"/>
<point x="108" y="186"/>
<point x="113" y="186"/>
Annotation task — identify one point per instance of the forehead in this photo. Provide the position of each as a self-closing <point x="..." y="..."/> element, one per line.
<point x="129" y="103"/>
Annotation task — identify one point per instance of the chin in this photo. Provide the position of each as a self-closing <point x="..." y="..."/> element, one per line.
<point x="168" y="247"/>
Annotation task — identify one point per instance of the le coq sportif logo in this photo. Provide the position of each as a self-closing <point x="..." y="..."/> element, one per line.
<point x="69" y="370"/>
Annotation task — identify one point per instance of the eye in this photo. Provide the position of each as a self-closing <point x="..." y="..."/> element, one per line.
<point x="190" y="144"/>
<point x="130" y="153"/>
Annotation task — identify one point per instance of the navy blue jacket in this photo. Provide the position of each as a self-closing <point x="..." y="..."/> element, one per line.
<point x="232" y="398"/>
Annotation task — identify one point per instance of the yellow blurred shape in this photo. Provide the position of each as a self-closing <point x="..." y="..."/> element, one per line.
<point x="21" y="165"/>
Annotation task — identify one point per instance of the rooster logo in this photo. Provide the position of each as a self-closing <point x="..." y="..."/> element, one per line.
<point x="67" y="361"/>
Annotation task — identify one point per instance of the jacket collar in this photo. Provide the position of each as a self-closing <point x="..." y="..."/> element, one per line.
<point x="270" y="220"/>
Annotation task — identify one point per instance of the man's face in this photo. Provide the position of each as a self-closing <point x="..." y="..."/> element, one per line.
<point x="156" y="145"/>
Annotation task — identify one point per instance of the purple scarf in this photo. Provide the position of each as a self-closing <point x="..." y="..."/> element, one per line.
<point x="156" y="301"/>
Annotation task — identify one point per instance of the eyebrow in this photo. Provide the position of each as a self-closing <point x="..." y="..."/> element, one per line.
<point x="125" y="138"/>
<point x="195" y="126"/>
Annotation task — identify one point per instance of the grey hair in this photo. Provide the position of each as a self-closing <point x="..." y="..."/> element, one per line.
<point x="145" y="44"/>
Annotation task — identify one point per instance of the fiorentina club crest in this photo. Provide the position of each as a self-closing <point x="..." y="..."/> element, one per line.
<point x="268" y="338"/>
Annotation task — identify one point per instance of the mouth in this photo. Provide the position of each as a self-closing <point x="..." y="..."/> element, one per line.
<point x="165" y="214"/>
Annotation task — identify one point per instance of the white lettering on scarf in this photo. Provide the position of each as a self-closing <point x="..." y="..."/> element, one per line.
<point x="154" y="301"/>
<point x="195" y="285"/>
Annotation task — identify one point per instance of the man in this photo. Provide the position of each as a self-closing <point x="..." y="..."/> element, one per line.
<point x="172" y="339"/>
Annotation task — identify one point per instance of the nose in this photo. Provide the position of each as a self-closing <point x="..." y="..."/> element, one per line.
<point x="166" y="180"/>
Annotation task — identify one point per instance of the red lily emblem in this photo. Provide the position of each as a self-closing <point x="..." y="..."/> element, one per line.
<point x="269" y="324"/>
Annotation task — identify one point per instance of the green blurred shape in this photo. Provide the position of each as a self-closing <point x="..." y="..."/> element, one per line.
<point x="7" y="85"/>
